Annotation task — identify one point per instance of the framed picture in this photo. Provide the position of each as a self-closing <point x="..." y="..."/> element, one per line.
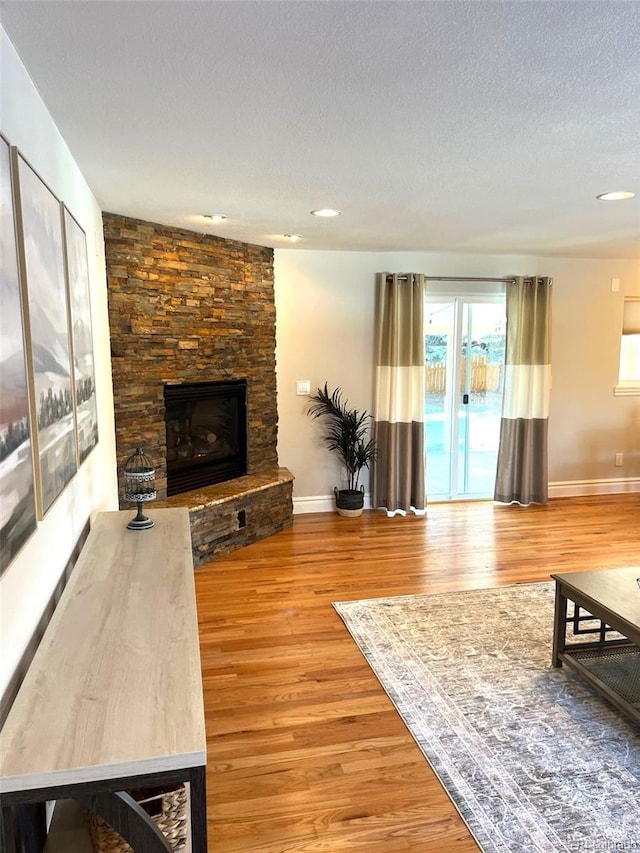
<point x="81" y="336"/>
<point x="17" y="490"/>
<point x="48" y="347"/>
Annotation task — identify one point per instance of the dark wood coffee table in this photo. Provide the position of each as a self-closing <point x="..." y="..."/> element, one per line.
<point x="610" y="661"/>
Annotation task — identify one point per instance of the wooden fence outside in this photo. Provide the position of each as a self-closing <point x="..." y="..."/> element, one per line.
<point x="484" y="377"/>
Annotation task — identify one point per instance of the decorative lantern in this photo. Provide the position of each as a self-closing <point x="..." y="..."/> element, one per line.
<point x="139" y="487"/>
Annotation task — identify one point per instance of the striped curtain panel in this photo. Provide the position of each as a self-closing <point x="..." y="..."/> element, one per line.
<point x="398" y="473"/>
<point x="522" y="453"/>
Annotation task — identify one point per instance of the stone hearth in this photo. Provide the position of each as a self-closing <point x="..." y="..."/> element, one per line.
<point x="229" y="515"/>
<point x="189" y="307"/>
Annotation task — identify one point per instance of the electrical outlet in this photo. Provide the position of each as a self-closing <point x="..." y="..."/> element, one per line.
<point x="619" y="460"/>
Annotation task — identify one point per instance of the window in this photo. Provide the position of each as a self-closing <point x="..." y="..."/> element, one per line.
<point x="629" y="375"/>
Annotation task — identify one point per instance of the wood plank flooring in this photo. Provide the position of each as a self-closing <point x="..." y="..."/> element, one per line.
<point x="305" y="750"/>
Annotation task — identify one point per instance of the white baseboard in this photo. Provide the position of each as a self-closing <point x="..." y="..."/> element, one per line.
<point x="566" y="489"/>
<point x="320" y="503"/>
<point x="577" y="488"/>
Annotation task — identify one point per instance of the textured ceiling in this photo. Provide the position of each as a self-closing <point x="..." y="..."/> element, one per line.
<point x="452" y="126"/>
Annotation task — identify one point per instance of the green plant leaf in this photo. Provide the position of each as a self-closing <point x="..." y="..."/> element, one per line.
<point x="346" y="431"/>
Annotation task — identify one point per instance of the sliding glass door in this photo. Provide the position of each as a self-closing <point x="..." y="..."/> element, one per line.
<point x="464" y="351"/>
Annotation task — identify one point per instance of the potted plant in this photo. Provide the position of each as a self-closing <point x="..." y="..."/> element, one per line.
<point x="346" y="434"/>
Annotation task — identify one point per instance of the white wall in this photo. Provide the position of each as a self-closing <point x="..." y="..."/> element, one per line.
<point x="28" y="583"/>
<point x="324" y="330"/>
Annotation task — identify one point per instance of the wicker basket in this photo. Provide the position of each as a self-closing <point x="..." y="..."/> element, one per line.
<point x="166" y="806"/>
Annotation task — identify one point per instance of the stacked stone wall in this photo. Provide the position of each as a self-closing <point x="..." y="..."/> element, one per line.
<point x="190" y="307"/>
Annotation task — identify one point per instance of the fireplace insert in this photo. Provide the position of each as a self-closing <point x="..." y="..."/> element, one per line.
<point x="206" y="425"/>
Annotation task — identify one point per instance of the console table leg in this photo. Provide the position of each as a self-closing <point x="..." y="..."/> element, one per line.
<point x="122" y="812"/>
<point x="22" y="828"/>
<point x="8" y="840"/>
<point x="559" y="626"/>
<point x="198" y="807"/>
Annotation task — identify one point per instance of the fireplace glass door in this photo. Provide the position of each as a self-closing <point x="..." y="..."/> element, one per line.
<point x="206" y="426"/>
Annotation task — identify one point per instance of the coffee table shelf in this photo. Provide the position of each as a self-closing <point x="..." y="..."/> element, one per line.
<point x="614" y="671"/>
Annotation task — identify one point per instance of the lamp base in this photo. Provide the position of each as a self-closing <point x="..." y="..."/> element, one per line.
<point x="140" y="522"/>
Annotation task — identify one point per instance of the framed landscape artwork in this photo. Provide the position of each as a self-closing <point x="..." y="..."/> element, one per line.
<point x="81" y="335"/>
<point x="48" y="334"/>
<point x="17" y="491"/>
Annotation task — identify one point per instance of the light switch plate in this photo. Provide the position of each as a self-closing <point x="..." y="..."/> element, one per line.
<point x="615" y="285"/>
<point x="303" y="387"/>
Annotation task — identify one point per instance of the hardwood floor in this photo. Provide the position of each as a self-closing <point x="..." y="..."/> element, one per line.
<point x="305" y="750"/>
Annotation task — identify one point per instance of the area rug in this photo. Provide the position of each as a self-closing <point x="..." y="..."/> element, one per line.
<point x="532" y="757"/>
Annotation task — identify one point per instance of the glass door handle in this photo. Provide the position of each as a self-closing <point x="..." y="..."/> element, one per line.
<point x="465" y="399"/>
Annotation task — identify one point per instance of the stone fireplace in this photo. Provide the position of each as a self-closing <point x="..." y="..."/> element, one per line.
<point x="194" y="311"/>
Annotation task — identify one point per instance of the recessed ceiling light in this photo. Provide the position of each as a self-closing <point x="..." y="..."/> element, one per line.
<point x="618" y="195"/>
<point x="293" y="237"/>
<point x="326" y="211"/>
<point x="215" y="217"/>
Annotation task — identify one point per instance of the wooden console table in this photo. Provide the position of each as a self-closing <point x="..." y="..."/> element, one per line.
<point x="113" y="697"/>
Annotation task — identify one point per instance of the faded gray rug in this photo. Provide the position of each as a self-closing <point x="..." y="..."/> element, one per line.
<point x="533" y="759"/>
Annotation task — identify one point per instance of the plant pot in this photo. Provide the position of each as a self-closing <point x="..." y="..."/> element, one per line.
<point x="349" y="502"/>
